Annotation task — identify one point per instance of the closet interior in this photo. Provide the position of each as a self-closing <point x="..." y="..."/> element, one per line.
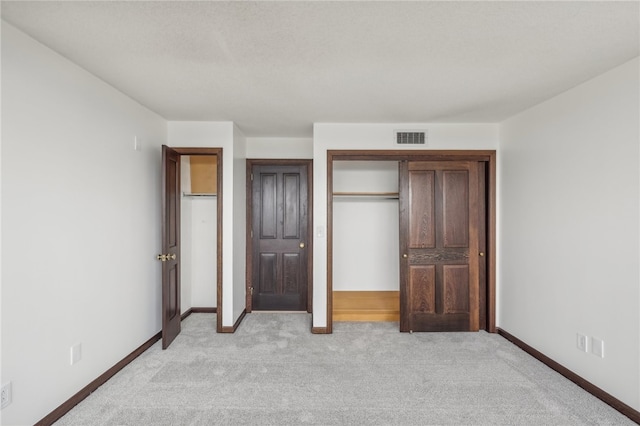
<point x="366" y="241"/>
<point x="198" y="223"/>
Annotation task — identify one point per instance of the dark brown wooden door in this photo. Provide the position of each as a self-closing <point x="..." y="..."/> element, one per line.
<point x="170" y="256"/>
<point x="439" y="267"/>
<point x="279" y="229"/>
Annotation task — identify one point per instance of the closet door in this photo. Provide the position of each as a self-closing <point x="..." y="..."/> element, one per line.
<point x="439" y="268"/>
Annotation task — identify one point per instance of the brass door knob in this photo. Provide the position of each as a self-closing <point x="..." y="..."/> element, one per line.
<point x="162" y="257"/>
<point x="171" y="256"/>
<point x="301" y="245"/>
<point x="481" y="253"/>
<point x="405" y="255"/>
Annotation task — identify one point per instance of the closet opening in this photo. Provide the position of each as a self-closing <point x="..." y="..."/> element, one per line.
<point x="378" y="238"/>
<point x="198" y="225"/>
<point x="366" y="283"/>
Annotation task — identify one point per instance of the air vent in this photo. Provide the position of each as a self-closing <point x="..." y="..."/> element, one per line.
<point x="411" y="138"/>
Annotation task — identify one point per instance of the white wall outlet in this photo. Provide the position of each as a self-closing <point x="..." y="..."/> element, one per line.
<point x="5" y="394"/>
<point x="137" y="143"/>
<point x="581" y="342"/>
<point x="76" y="353"/>
<point x="597" y="347"/>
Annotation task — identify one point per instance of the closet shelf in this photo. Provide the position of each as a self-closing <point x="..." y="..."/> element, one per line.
<point x="387" y="195"/>
<point x="191" y="194"/>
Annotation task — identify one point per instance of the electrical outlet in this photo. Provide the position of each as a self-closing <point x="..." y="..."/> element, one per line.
<point x="5" y="395"/>
<point x="597" y="347"/>
<point x="581" y="342"/>
<point x="76" y="353"/>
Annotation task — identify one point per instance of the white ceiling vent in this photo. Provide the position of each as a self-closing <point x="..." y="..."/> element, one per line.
<point x="411" y="137"/>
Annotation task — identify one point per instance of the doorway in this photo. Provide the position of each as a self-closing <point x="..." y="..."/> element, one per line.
<point x="365" y="217"/>
<point x="198" y="233"/>
<point x="171" y="255"/>
<point x="482" y="299"/>
<point x="279" y="243"/>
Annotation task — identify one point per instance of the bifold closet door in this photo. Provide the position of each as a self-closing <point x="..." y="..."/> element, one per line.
<point x="439" y="249"/>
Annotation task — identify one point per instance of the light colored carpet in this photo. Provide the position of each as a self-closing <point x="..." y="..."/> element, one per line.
<point x="274" y="371"/>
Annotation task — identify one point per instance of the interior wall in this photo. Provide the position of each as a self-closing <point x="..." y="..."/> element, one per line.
<point x="80" y="226"/>
<point x="296" y="148"/>
<point x="204" y="273"/>
<point x="239" y="223"/>
<point x="569" y="244"/>
<point x="329" y="136"/>
<point x="366" y="246"/>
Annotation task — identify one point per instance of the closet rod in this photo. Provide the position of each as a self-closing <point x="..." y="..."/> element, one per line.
<point x="185" y="194"/>
<point x="390" y="195"/>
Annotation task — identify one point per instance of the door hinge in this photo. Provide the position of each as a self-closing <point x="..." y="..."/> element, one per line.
<point x="251" y="290"/>
<point x="251" y="233"/>
<point x="252" y="177"/>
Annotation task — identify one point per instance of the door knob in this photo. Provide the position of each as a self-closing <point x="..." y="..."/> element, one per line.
<point x="165" y="257"/>
<point x="301" y="245"/>
<point x="405" y="255"/>
<point x="481" y="253"/>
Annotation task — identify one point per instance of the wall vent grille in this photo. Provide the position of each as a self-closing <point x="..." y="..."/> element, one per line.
<point x="411" y="138"/>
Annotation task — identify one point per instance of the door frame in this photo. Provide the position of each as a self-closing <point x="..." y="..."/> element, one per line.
<point x="488" y="157"/>
<point x="308" y="164"/>
<point x="218" y="153"/>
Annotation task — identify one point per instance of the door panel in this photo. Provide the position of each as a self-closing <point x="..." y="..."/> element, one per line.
<point x="423" y="288"/>
<point x="291" y="206"/>
<point x="279" y="247"/>
<point x="268" y="216"/>
<point x="439" y="240"/>
<point x="291" y="273"/>
<point x="172" y="307"/>
<point x="268" y="272"/>
<point x="456" y="288"/>
<point x="455" y="208"/>
<point x="422" y="232"/>
<point x="170" y="245"/>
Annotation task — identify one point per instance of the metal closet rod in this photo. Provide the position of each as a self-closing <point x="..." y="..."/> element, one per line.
<point x="389" y="195"/>
<point x="188" y="194"/>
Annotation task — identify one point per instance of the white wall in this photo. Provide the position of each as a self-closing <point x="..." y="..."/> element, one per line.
<point x="329" y="136"/>
<point x="296" y="148"/>
<point x="203" y="134"/>
<point x="366" y="229"/>
<point x="569" y="244"/>
<point x="239" y="224"/>
<point x="80" y="226"/>
<point x="204" y="233"/>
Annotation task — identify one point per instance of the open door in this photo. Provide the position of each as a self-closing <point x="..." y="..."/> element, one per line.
<point x="439" y="244"/>
<point x="170" y="256"/>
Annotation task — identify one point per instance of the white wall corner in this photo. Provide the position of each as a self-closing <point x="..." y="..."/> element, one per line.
<point x="238" y="298"/>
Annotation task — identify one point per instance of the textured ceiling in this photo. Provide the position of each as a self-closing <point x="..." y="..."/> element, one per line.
<point x="275" y="68"/>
